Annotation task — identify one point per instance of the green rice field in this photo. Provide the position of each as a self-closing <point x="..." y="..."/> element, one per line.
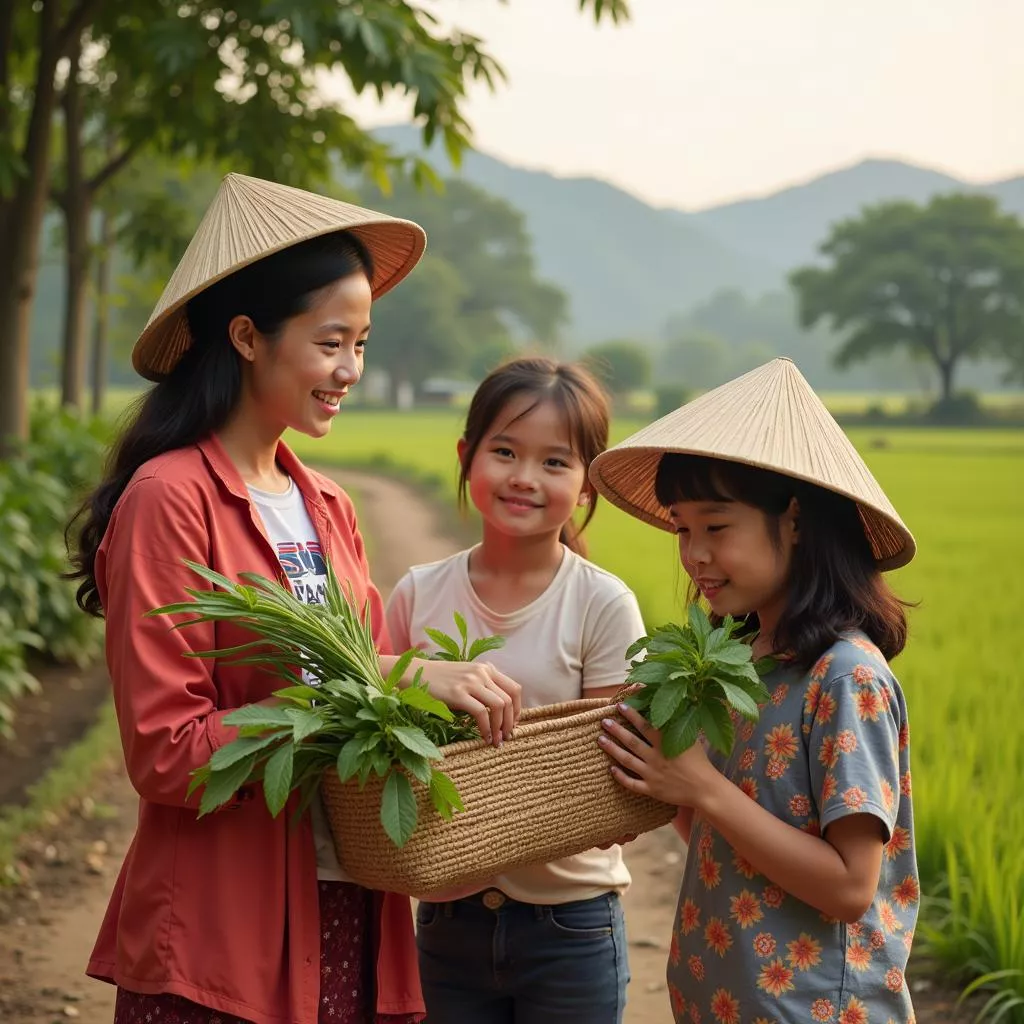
<point x="962" y="495"/>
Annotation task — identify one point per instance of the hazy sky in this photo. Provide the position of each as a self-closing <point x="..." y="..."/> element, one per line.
<point x="697" y="102"/>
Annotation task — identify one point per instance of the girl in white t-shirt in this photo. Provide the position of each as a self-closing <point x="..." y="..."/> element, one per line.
<point x="545" y="943"/>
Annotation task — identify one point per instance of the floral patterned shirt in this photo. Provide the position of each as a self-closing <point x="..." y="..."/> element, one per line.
<point x="830" y="742"/>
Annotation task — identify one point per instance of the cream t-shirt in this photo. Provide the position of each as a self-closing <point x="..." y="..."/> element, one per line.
<point x="570" y="639"/>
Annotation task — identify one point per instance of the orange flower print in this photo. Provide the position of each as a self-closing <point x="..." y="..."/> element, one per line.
<point x="717" y="936"/>
<point x="724" y="1007"/>
<point x="694" y="1013"/>
<point x="743" y="866"/>
<point x="800" y="806"/>
<point x="890" y="922"/>
<point x="775" y="978"/>
<point x="846" y="741"/>
<point x="863" y="675"/>
<point x="779" y="694"/>
<point x="689" y="916"/>
<point x="764" y="944"/>
<point x="855" y="1013"/>
<point x="747" y="759"/>
<point x="764" y="1020"/>
<point x="828" y="754"/>
<point x="748" y="784"/>
<point x="908" y="940"/>
<point x="888" y="797"/>
<point x="772" y="896"/>
<point x="706" y="842"/>
<point x="696" y="966"/>
<point x="855" y="930"/>
<point x="858" y="956"/>
<point x="776" y="768"/>
<point x="855" y="798"/>
<point x="877" y="939"/>
<point x="677" y="1000"/>
<point x="904" y="736"/>
<point x="746" y="732"/>
<point x="822" y="1010"/>
<point x="781" y="743"/>
<point x="865" y="645"/>
<point x="746" y="909"/>
<point x="710" y="872"/>
<point x="811" y="697"/>
<point x="894" y="979"/>
<point x="673" y="950"/>
<point x="898" y="843"/>
<point x="828" y="788"/>
<point x="812" y="827"/>
<point x="820" y="669"/>
<point x="804" y="952"/>
<point x="905" y="786"/>
<point x="906" y="893"/>
<point x="826" y="709"/>
<point x="869" y="705"/>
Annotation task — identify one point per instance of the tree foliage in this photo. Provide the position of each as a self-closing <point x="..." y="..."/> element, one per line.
<point x="943" y="281"/>
<point x="623" y="365"/>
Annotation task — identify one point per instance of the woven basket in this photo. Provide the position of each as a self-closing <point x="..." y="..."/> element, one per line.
<point x="545" y="793"/>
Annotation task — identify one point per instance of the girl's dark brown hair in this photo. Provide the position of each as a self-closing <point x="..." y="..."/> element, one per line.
<point x="573" y="391"/>
<point x="834" y="584"/>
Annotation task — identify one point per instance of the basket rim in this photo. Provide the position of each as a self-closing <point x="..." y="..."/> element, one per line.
<point x="541" y="719"/>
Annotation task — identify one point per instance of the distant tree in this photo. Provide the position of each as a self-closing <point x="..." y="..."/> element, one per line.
<point x="623" y="365"/>
<point x="695" y="359"/>
<point x="943" y="281"/>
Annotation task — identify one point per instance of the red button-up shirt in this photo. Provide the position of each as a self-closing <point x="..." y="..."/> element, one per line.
<point x="222" y="910"/>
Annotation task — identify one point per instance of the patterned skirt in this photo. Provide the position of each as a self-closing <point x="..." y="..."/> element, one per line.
<point x="346" y="988"/>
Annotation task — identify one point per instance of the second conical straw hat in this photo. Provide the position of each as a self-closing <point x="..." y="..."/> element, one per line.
<point x="250" y="218"/>
<point x="770" y="418"/>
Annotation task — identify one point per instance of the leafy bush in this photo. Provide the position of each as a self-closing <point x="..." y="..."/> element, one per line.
<point x="40" y="485"/>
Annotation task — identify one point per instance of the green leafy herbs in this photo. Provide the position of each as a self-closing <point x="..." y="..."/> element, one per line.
<point x="450" y="650"/>
<point x="693" y="678"/>
<point x="355" y="720"/>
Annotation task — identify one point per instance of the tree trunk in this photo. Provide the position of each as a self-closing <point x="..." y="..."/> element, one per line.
<point x="946" y="369"/>
<point x="19" y="248"/>
<point x="21" y="217"/>
<point x="77" y="206"/>
<point x="101" y="327"/>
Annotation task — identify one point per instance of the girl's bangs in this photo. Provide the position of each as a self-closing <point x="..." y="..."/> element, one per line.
<point x="693" y="478"/>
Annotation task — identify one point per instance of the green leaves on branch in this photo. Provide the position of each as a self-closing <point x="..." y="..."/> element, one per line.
<point x="694" y="677"/>
<point x="356" y="721"/>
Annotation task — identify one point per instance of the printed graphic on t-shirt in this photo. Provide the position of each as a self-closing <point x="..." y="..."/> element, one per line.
<point x="305" y="568"/>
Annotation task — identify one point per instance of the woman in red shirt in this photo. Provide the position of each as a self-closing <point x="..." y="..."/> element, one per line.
<point x="240" y="916"/>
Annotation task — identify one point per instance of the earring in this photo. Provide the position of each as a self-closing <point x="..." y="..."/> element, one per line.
<point x="583" y="500"/>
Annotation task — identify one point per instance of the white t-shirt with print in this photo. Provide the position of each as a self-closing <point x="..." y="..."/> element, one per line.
<point x="570" y="639"/>
<point x="293" y="536"/>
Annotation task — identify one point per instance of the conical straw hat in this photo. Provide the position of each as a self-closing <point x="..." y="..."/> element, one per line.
<point x="768" y="418"/>
<point x="248" y="219"/>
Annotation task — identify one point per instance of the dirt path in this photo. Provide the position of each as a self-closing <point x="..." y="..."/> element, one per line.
<point x="47" y="925"/>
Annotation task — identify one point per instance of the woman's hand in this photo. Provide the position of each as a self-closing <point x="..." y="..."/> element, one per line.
<point x="491" y="697"/>
<point x="642" y="767"/>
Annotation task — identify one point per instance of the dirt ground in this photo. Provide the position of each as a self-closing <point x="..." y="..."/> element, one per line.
<point x="47" y="924"/>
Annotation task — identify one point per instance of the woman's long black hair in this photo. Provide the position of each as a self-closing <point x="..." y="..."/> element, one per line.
<point x="834" y="584"/>
<point x="199" y="395"/>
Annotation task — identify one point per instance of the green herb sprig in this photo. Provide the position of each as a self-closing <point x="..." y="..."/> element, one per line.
<point x="355" y="720"/>
<point x="692" y="678"/>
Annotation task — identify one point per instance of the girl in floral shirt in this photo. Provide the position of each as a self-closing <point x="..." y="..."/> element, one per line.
<point x="801" y="892"/>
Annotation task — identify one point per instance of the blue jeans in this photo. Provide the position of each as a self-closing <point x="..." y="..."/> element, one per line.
<point x="489" y="959"/>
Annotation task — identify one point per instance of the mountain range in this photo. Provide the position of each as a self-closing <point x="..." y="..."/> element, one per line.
<point x="628" y="266"/>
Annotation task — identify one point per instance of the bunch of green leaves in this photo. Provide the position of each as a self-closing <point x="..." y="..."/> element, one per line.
<point x="354" y="720"/>
<point x="450" y="650"/>
<point x="693" y="677"/>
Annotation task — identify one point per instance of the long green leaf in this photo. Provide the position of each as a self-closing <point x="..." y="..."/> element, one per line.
<point x="305" y="722"/>
<point x="398" y="670"/>
<point x="230" y="753"/>
<point x="681" y="733"/>
<point x="414" y="739"/>
<point x="419" y="697"/>
<point x="398" y="811"/>
<point x="445" y="642"/>
<point x="739" y="699"/>
<point x="717" y="725"/>
<point x="484" y="645"/>
<point x="350" y="760"/>
<point x="222" y="786"/>
<point x="666" y="702"/>
<point x="264" y="716"/>
<point x="416" y="765"/>
<point x="277" y="778"/>
<point x="444" y="795"/>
